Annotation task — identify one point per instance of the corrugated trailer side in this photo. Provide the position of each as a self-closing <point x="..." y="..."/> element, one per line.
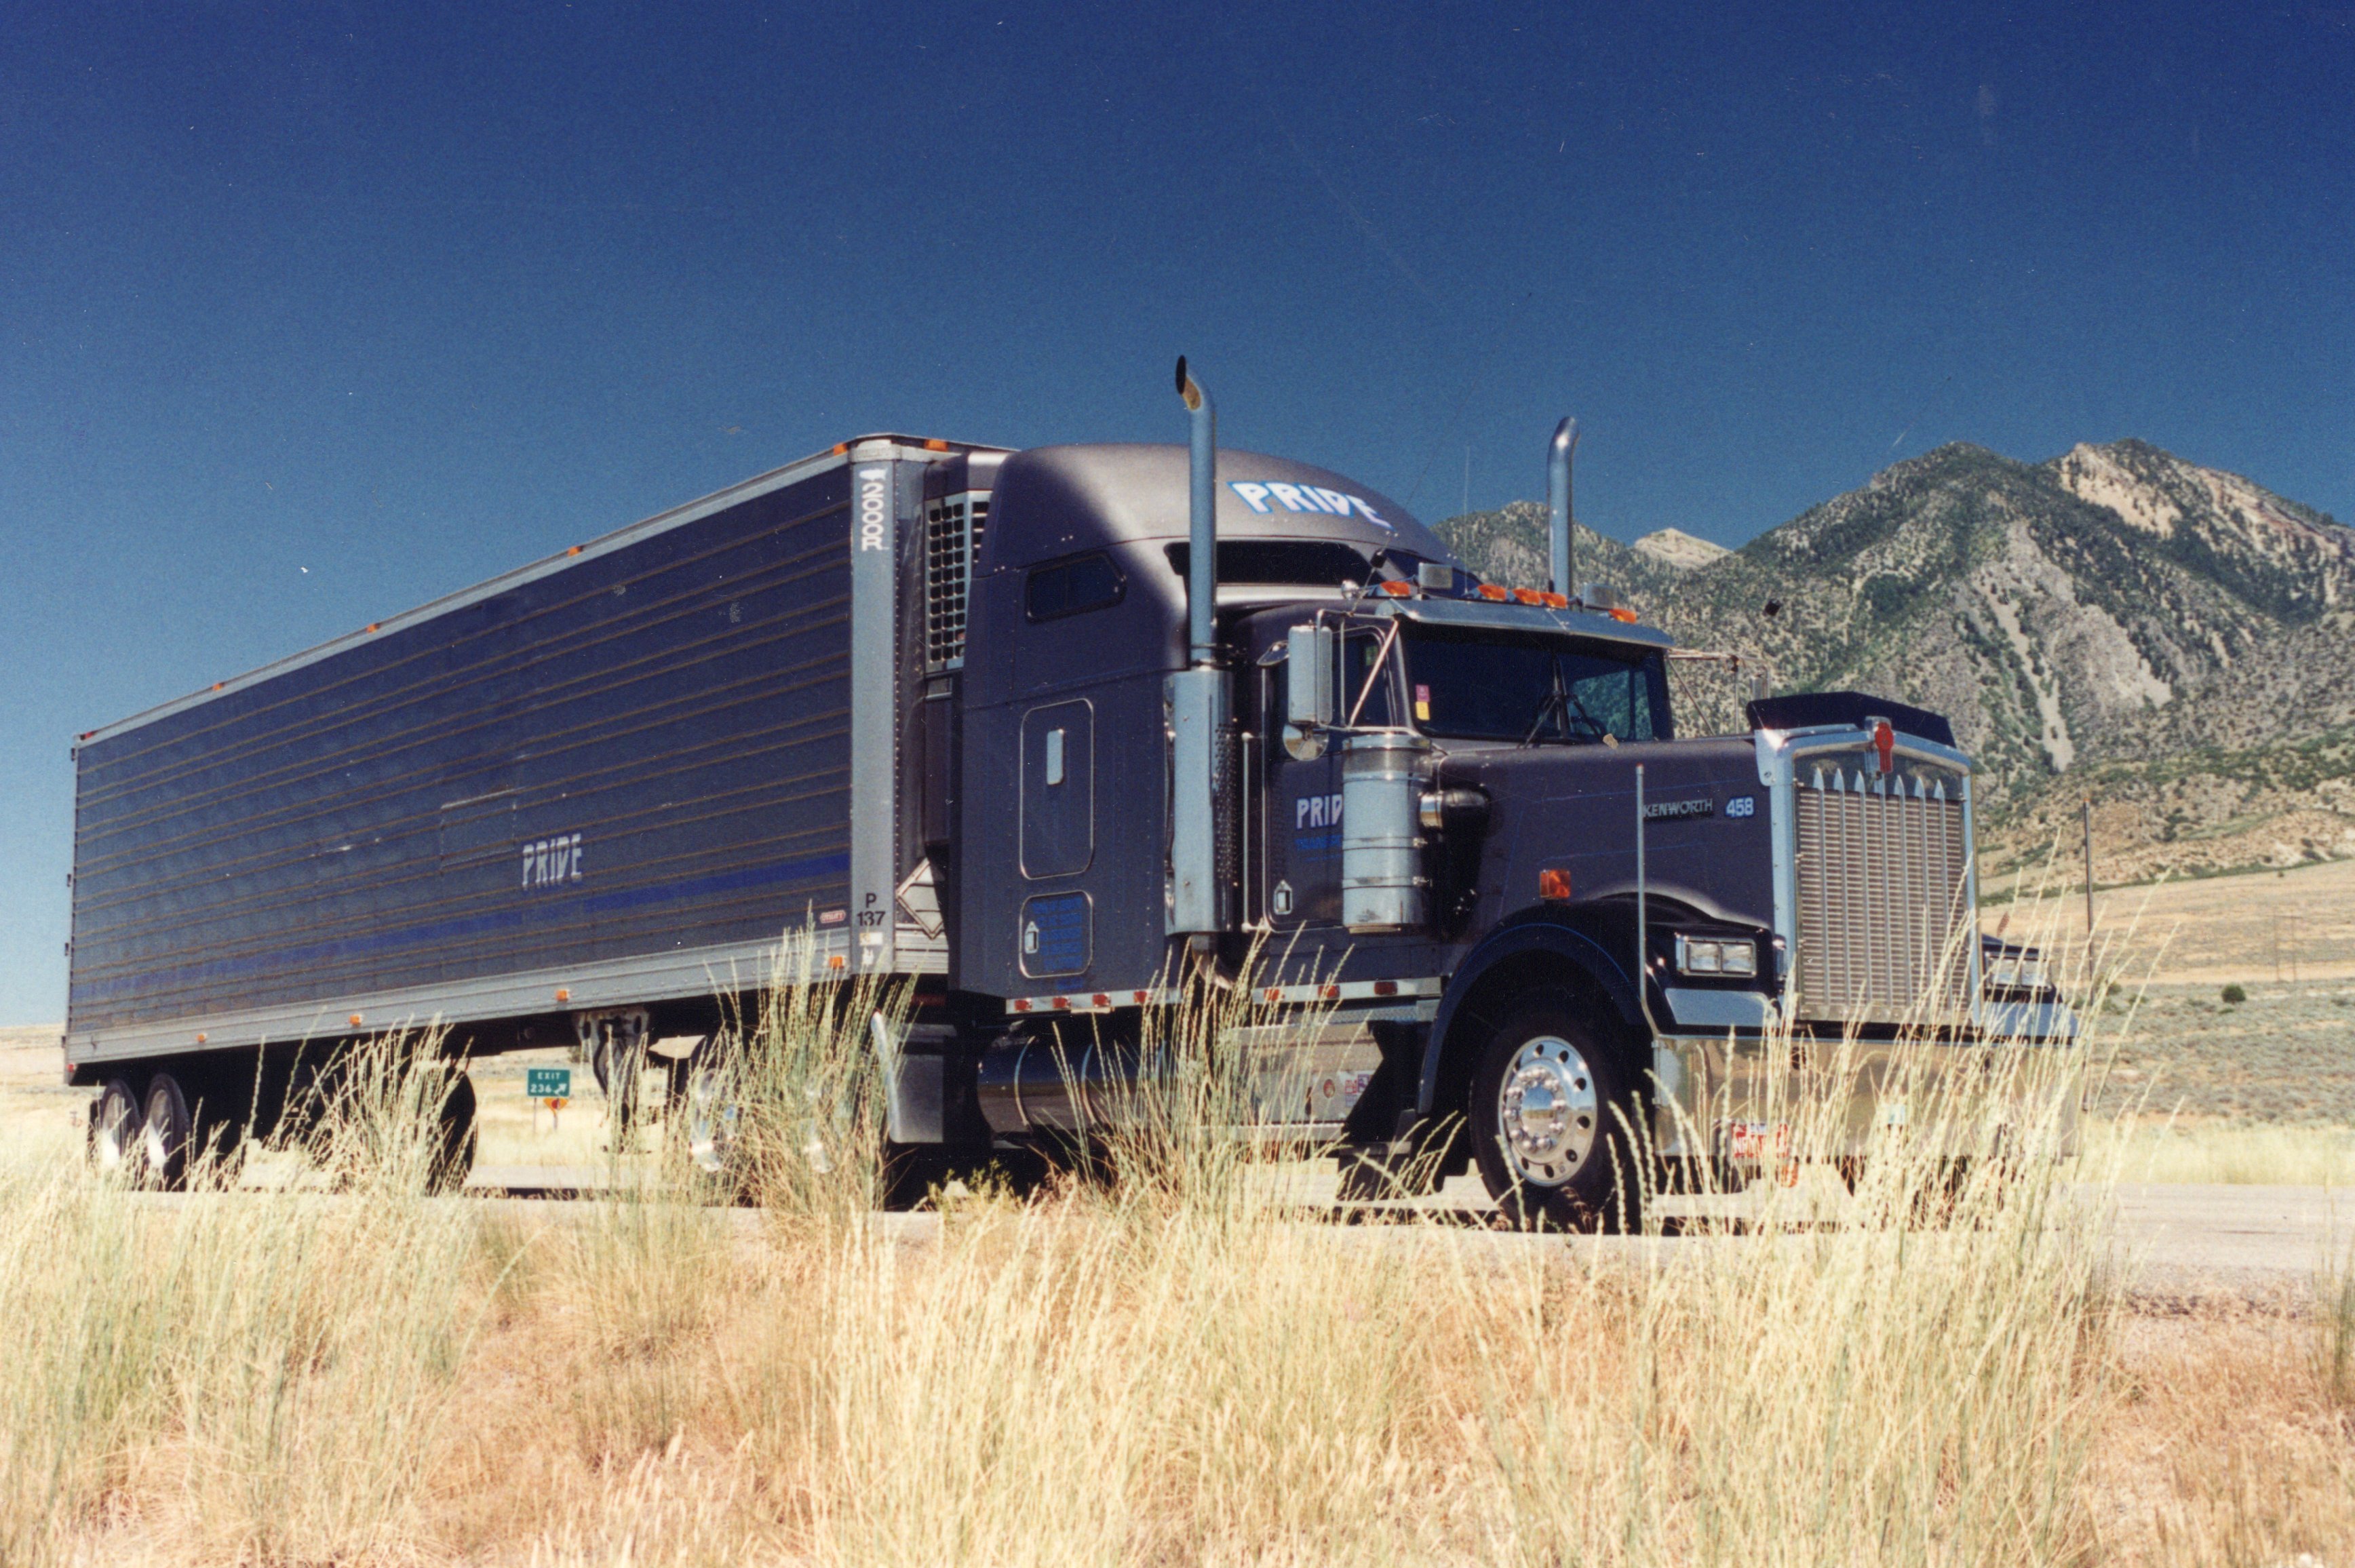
<point x="615" y="776"/>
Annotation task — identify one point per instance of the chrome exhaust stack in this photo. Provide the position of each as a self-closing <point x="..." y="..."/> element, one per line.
<point x="1558" y="519"/>
<point x="1199" y="900"/>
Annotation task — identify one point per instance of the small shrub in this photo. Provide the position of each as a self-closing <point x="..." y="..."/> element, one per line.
<point x="2235" y="995"/>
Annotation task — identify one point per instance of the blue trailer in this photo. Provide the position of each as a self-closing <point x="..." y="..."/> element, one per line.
<point x="1042" y="732"/>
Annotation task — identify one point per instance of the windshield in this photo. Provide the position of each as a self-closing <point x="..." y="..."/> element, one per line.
<point x="1483" y="686"/>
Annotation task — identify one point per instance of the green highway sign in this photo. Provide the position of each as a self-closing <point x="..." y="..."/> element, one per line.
<point x="547" y="1083"/>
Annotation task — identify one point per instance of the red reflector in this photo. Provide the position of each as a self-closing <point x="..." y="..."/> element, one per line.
<point x="1386" y="988"/>
<point x="1884" y="741"/>
<point x="1332" y="993"/>
<point x="1022" y="1004"/>
<point x="1553" y="884"/>
<point x="1062" y="1003"/>
<point x="1102" y="1000"/>
<point x="1142" y="996"/>
<point x="1275" y="995"/>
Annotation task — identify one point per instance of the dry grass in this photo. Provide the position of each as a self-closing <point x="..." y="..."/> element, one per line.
<point x="2224" y="1154"/>
<point x="1174" y="1367"/>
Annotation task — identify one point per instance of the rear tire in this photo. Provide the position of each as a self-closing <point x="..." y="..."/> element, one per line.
<point x="114" y="1126"/>
<point x="453" y="1160"/>
<point x="166" y="1133"/>
<point x="1550" y="1116"/>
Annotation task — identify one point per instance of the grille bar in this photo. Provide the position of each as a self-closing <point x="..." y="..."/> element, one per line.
<point x="1884" y="899"/>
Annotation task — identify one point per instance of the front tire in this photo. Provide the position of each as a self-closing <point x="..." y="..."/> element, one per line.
<point x="1552" y="1115"/>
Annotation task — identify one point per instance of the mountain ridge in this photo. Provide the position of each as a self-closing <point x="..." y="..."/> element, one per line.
<point x="2072" y="616"/>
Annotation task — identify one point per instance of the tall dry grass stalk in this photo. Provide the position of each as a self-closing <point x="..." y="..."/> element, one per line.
<point x="266" y="1372"/>
<point x="1174" y="1365"/>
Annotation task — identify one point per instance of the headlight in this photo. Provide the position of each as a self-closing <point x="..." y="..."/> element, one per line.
<point x="1717" y="955"/>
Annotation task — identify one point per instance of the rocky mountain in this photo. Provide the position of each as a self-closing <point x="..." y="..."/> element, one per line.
<point x="2083" y="620"/>
<point x="1674" y="547"/>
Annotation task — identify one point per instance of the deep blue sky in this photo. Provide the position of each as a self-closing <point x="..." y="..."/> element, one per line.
<point x="308" y="313"/>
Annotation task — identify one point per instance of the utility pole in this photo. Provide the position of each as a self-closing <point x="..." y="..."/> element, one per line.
<point x="2088" y="818"/>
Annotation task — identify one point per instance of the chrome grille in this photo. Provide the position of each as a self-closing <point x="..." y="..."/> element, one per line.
<point x="1883" y="898"/>
<point x="952" y="528"/>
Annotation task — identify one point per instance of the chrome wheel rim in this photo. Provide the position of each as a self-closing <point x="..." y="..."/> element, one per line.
<point x="1547" y="1112"/>
<point x="710" y="1120"/>
<point x="155" y="1140"/>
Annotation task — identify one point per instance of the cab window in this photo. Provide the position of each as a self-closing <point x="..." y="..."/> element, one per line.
<point x="1359" y="657"/>
<point x="1536" y="690"/>
<point x="1072" y="587"/>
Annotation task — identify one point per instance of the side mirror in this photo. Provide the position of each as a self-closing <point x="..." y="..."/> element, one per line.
<point x="1313" y="659"/>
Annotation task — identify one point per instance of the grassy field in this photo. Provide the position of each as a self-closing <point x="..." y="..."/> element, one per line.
<point x="2293" y="927"/>
<point x="1174" y="1367"/>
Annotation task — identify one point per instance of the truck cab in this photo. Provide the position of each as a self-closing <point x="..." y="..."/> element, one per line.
<point x="1456" y="815"/>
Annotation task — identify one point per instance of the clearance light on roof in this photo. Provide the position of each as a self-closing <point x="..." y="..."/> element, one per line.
<point x="1621" y="612"/>
<point x="1554" y="600"/>
<point x="936" y="444"/>
<point x="1491" y="590"/>
<point x="1528" y="596"/>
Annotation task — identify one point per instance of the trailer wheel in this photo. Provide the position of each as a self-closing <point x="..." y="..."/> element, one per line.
<point x="454" y="1159"/>
<point x="114" y="1118"/>
<point x="166" y="1133"/>
<point x="1550" y="1116"/>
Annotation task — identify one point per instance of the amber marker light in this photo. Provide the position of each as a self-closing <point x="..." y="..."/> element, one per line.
<point x="1528" y="596"/>
<point x="356" y="1020"/>
<point x="563" y="994"/>
<point x="936" y="444"/>
<point x="1495" y="592"/>
<point x="1397" y="589"/>
<point x="1553" y="884"/>
<point x="1622" y="613"/>
<point x="1554" y="600"/>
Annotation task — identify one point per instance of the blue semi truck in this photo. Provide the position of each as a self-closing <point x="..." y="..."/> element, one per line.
<point x="1046" y="734"/>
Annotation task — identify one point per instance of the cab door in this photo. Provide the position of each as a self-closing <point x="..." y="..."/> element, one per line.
<point x="1302" y="887"/>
